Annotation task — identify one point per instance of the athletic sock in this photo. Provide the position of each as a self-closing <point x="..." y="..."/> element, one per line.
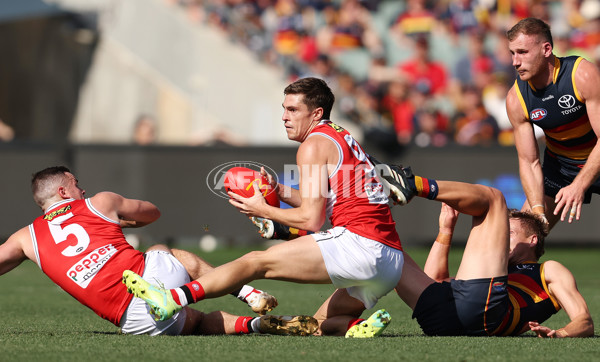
<point x="243" y="292"/>
<point x="295" y="233"/>
<point x="254" y="325"/>
<point x="188" y="293"/>
<point x="284" y="232"/>
<point x="236" y="293"/>
<point x="426" y="187"/>
<point x="247" y="325"/>
<point x="242" y="325"/>
<point x="354" y="322"/>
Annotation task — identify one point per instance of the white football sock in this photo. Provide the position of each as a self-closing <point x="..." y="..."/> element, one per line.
<point x="244" y="292"/>
<point x="255" y="324"/>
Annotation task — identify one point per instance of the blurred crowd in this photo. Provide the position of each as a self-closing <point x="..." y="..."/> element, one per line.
<point x="407" y="72"/>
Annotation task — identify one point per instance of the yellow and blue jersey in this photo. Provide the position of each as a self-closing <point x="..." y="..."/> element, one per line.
<point x="530" y="299"/>
<point x="560" y="111"/>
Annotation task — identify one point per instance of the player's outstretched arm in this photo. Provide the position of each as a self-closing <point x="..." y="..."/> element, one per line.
<point x="530" y="167"/>
<point x="12" y="253"/>
<point x="579" y="327"/>
<point x="563" y="288"/>
<point x="130" y="212"/>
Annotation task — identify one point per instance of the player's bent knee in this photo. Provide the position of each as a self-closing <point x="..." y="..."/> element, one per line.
<point x="257" y="262"/>
<point x="496" y="199"/>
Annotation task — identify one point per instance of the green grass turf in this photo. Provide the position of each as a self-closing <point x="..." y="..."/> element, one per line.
<point x="39" y="321"/>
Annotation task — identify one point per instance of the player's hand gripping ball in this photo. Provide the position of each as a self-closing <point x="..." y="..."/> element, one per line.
<point x="241" y="180"/>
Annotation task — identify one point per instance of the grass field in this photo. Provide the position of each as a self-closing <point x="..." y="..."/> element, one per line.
<point x="39" y="321"/>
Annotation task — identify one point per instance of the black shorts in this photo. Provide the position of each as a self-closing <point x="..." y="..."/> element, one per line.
<point x="559" y="173"/>
<point x="474" y="307"/>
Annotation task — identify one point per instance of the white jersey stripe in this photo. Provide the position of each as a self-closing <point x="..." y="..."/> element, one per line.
<point x="98" y="213"/>
<point x="339" y="148"/>
<point x="35" y="246"/>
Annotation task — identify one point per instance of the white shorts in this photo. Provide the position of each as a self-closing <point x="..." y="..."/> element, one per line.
<point x="161" y="267"/>
<point x="367" y="269"/>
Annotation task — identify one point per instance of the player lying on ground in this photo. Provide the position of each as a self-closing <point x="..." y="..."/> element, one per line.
<point x="500" y="288"/>
<point x="79" y="243"/>
<point x="536" y="290"/>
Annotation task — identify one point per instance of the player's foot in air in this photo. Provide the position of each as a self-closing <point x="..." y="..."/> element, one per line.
<point x="371" y="327"/>
<point x="301" y="325"/>
<point x="396" y="177"/>
<point x="160" y="300"/>
<point x="260" y="302"/>
<point x="266" y="227"/>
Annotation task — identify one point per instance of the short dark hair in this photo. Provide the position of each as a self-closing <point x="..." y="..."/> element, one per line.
<point x="316" y="94"/>
<point x="531" y="26"/>
<point x="533" y="225"/>
<point x="41" y="180"/>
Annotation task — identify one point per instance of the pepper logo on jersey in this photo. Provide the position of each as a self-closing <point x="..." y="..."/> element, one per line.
<point x="87" y="268"/>
<point x="538" y="114"/>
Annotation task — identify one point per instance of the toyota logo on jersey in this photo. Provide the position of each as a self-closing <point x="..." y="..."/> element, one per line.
<point x="538" y="114"/>
<point x="566" y="101"/>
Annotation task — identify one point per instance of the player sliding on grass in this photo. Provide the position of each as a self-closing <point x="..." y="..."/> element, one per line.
<point x="361" y="254"/>
<point x="536" y="290"/>
<point x="79" y="244"/>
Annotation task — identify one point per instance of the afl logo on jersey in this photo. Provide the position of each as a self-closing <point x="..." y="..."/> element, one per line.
<point x="566" y="101"/>
<point x="538" y="114"/>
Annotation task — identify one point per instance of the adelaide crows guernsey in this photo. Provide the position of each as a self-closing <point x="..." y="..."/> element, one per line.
<point x="85" y="253"/>
<point x="558" y="109"/>
<point x="356" y="198"/>
<point x="529" y="298"/>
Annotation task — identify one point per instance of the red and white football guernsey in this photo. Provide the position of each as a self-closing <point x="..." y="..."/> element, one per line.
<point x="356" y="198"/>
<point x="85" y="253"/>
